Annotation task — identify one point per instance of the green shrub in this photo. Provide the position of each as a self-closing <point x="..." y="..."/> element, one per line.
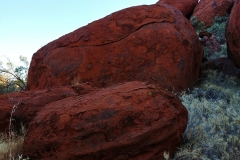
<point x="8" y="88"/>
<point x="221" y="54"/>
<point x="218" y="28"/>
<point x="197" y="25"/>
<point x="12" y="78"/>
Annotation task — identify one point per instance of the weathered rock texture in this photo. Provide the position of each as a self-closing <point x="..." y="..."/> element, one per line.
<point x="28" y="103"/>
<point x="185" y="6"/>
<point x="207" y="10"/>
<point x="128" y="121"/>
<point x="146" y="43"/>
<point x="233" y="34"/>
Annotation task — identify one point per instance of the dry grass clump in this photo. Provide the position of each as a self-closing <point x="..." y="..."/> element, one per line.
<point x="11" y="143"/>
<point x="213" y="130"/>
<point x="11" y="149"/>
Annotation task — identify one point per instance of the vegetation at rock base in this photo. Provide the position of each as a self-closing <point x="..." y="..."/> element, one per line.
<point x="221" y="54"/>
<point x="218" y="30"/>
<point x="197" y="25"/>
<point x="213" y="130"/>
<point x="13" y="79"/>
<point x="11" y="143"/>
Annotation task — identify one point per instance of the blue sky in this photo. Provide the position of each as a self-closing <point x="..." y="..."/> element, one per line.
<point x="27" y="25"/>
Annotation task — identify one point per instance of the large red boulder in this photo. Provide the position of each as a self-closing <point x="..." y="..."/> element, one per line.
<point x="133" y="120"/>
<point x="233" y="34"/>
<point x="185" y="6"/>
<point x="207" y="10"/>
<point x="28" y="103"/>
<point x="147" y="43"/>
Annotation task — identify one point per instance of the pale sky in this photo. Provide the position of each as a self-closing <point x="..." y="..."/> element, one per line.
<point x="27" y="25"/>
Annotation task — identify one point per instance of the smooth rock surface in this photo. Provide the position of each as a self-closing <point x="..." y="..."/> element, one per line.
<point x="155" y="43"/>
<point x="133" y="120"/>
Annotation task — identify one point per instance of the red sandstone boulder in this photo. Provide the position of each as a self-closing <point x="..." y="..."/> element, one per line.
<point x="185" y="6"/>
<point x="207" y="10"/>
<point x="147" y="43"/>
<point x="132" y="120"/>
<point x="233" y="34"/>
<point x="28" y="103"/>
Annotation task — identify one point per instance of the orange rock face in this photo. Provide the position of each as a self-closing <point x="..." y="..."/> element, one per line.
<point x="185" y="6"/>
<point x="207" y="10"/>
<point x="28" y="104"/>
<point x="132" y="120"/>
<point x="153" y="43"/>
<point x="233" y="34"/>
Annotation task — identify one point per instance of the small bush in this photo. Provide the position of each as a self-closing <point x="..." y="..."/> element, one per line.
<point x="221" y="54"/>
<point x="197" y="25"/>
<point x="218" y="28"/>
<point x="12" y="78"/>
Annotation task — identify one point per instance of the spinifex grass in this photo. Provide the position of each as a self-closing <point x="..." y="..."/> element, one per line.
<point x="213" y="130"/>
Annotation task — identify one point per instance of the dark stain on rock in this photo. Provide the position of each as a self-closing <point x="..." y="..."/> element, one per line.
<point x="181" y="64"/>
<point x="185" y="42"/>
<point x="89" y="66"/>
<point x="214" y="4"/>
<point x="128" y="122"/>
